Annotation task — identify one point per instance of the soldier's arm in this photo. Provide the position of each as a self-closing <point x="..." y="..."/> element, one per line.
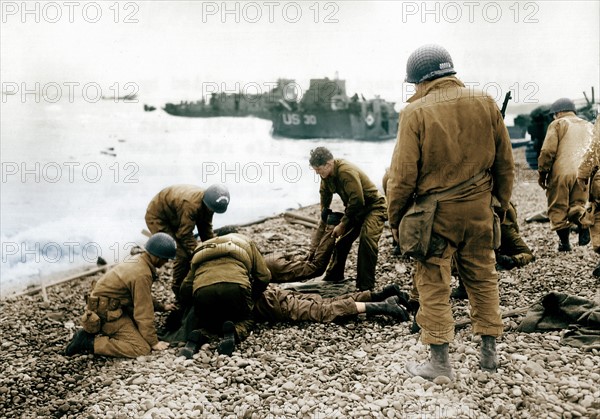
<point x="185" y="231"/>
<point x="205" y="227"/>
<point x="143" y="309"/>
<point x="549" y="149"/>
<point x="404" y="172"/>
<point x="326" y="195"/>
<point x="355" y="206"/>
<point x="503" y="169"/>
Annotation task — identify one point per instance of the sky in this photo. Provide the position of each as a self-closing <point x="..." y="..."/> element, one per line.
<point x="172" y="50"/>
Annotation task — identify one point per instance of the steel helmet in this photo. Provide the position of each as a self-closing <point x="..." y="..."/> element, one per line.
<point x="216" y="198"/>
<point x="562" y="105"/>
<point x="161" y="245"/>
<point x="427" y="63"/>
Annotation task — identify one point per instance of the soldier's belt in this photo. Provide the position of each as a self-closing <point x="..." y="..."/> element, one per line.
<point x="108" y="309"/>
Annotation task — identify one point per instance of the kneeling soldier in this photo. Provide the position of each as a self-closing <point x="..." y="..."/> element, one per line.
<point x="119" y="317"/>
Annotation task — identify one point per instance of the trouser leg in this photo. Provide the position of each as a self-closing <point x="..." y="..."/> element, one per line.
<point x="121" y="338"/>
<point x="368" y="250"/>
<point x="181" y="267"/>
<point x="218" y="303"/>
<point x="335" y="270"/>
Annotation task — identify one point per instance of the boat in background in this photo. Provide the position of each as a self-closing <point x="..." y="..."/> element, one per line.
<point x="325" y="111"/>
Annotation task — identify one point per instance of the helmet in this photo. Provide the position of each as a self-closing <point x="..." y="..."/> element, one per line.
<point x="561" y="105"/>
<point x="427" y="63"/>
<point x="216" y="198"/>
<point x="161" y="245"/>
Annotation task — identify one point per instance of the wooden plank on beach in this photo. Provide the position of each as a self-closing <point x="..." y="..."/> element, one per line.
<point x="43" y="288"/>
<point x="304" y="218"/>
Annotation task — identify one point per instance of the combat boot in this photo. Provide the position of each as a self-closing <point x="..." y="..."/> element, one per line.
<point x="413" y="307"/>
<point x="82" y="343"/>
<point x="227" y="344"/>
<point x="195" y="340"/>
<point x="488" y="360"/>
<point x="596" y="271"/>
<point x="438" y="365"/>
<point x="504" y="262"/>
<point x="584" y="236"/>
<point x="460" y="292"/>
<point x="389" y="306"/>
<point x="563" y="235"/>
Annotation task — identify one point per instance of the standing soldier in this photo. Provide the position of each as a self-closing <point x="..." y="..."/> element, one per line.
<point x="566" y="140"/>
<point x="119" y="317"/>
<point x="177" y="210"/>
<point x="452" y="141"/>
<point x="589" y="169"/>
<point x="364" y="215"/>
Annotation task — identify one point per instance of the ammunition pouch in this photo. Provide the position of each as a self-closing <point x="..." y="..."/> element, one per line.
<point x="90" y="322"/>
<point x="108" y="309"/>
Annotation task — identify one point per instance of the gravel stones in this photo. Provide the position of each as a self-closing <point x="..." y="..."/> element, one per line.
<point x="354" y="369"/>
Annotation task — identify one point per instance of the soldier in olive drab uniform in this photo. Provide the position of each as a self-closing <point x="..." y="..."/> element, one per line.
<point x="452" y="138"/>
<point x="589" y="169"/>
<point x="119" y="318"/>
<point x="566" y="140"/>
<point x="227" y="285"/>
<point x="364" y="217"/>
<point x="287" y="269"/>
<point x="177" y="210"/>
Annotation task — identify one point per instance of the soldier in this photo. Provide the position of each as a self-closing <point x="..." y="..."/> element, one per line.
<point x="285" y="269"/>
<point x="177" y="210"/>
<point x="119" y="317"/>
<point x="227" y="285"/>
<point x="452" y="149"/>
<point x="588" y="169"/>
<point x="364" y="215"/>
<point x="566" y="140"/>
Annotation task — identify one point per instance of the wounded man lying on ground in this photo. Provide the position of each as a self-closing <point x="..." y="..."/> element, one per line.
<point x="284" y="268"/>
<point x="227" y="287"/>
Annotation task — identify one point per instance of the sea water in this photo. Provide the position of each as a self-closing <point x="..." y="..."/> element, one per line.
<point x="77" y="177"/>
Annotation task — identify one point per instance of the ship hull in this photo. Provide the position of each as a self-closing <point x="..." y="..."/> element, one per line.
<point x="333" y="124"/>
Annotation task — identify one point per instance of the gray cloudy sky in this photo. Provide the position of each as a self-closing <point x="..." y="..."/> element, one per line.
<point x="174" y="49"/>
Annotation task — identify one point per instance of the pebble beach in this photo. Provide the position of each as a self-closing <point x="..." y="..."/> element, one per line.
<point x="352" y="369"/>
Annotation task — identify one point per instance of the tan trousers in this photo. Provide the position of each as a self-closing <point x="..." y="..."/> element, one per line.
<point x="121" y="338"/>
<point x="277" y="305"/>
<point x="566" y="201"/>
<point x="463" y="230"/>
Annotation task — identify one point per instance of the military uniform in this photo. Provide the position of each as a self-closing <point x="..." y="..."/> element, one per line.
<point x="566" y="140"/>
<point x="228" y="274"/>
<point x="285" y="269"/>
<point x="447" y="135"/>
<point x="589" y="169"/>
<point x="177" y="210"/>
<point x="364" y="217"/>
<point x="122" y="298"/>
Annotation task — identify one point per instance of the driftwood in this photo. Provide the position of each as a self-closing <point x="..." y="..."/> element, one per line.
<point x="461" y="324"/>
<point x="43" y="288"/>
<point x="298" y="217"/>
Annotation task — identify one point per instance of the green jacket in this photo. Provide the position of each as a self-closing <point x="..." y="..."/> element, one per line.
<point x="359" y="195"/>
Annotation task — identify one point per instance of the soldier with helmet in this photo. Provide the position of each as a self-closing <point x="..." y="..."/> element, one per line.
<point x="566" y="141"/>
<point x="119" y="316"/>
<point x="452" y="149"/>
<point x="177" y="210"/>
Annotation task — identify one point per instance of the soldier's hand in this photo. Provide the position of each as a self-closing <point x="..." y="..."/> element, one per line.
<point x="543" y="179"/>
<point x="582" y="182"/>
<point x="160" y="346"/>
<point x="170" y="307"/>
<point x="338" y="231"/>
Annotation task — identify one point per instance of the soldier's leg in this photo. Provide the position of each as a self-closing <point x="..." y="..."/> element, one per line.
<point x="312" y="307"/>
<point x="368" y="250"/>
<point x="121" y="338"/>
<point x="577" y="201"/>
<point x="335" y="270"/>
<point x="181" y="268"/>
<point x="558" y="210"/>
